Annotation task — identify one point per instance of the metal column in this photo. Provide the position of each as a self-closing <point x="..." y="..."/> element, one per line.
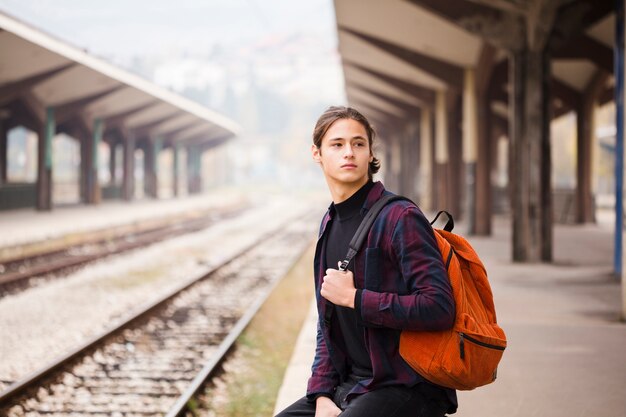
<point x="470" y="146"/>
<point x="93" y="185"/>
<point x="175" y="156"/>
<point x="3" y="151"/>
<point x="44" y="171"/>
<point x="619" y="135"/>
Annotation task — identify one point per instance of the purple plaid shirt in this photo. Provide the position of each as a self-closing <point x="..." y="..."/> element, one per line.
<point x="401" y="284"/>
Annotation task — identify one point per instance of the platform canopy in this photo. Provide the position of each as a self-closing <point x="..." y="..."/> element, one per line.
<point x="39" y="71"/>
<point x="397" y="53"/>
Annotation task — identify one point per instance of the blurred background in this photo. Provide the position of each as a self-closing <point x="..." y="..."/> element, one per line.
<point x="270" y="66"/>
<point x="159" y="152"/>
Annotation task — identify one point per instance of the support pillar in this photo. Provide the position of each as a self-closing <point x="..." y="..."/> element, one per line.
<point x="401" y="150"/>
<point x="44" y="162"/>
<point x="128" y="178"/>
<point x="175" y="168"/>
<point x="3" y="152"/>
<point x="530" y="155"/>
<point x="470" y="145"/>
<point x="157" y="146"/>
<point x="396" y="163"/>
<point x="412" y="158"/>
<point x="484" y="165"/>
<point x="584" y="149"/>
<point x="85" y="152"/>
<point x="151" y="162"/>
<point x="94" y="193"/>
<point x="425" y="164"/>
<point x="148" y="169"/>
<point x="194" y="181"/>
<point x="618" y="73"/>
<point x="408" y="154"/>
<point x="441" y="152"/>
<point x="585" y="126"/>
<point x="112" y="162"/>
<point x="454" y="169"/>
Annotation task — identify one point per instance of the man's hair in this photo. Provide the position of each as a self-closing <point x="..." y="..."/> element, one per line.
<point x="334" y="113"/>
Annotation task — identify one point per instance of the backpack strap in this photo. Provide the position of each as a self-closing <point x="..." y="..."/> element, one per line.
<point x="449" y="224"/>
<point x="362" y="232"/>
<point x="364" y="227"/>
<point x="359" y="238"/>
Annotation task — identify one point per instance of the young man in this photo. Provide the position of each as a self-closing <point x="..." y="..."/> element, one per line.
<point x="397" y="281"/>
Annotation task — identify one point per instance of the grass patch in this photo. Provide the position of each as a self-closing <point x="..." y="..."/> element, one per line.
<point x="254" y="373"/>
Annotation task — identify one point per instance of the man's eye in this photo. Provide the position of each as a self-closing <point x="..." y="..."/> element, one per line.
<point x="336" y="144"/>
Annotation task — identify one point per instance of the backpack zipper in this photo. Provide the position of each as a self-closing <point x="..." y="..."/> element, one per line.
<point x="463" y="337"/>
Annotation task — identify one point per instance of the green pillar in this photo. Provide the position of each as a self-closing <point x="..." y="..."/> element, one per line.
<point x="3" y="152"/>
<point x="152" y="166"/>
<point x="128" y="179"/>
<point x="193" y="172"/>
<point x="175" y="156"/>
<point x="93" y="190"/>
<point x="158" y="146"/>
<point x="44" y="157"/>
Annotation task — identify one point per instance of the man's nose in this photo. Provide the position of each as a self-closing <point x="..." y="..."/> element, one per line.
<point x="349" y="152"/>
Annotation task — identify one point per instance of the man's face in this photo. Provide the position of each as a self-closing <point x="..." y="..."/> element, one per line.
<point x="344" y="154"/>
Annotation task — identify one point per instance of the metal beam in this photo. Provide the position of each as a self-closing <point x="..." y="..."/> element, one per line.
<point x="144" y="129"/>
<point x="117" y="119"/>
<point x="619" y="148"/>
<point x="505" y="6"/>
<point x="456" y="10"/>
<point x="445" y="71"/>
<point x="574" y="17"/>
<point x="180" y="129"/>
<point x="585" y="47"/>
<point x="393" y="118"/>
<point x="68" y="109"/>
<point x="570" y="96"/>
<point x="12" y="90"/>
<point x="485" y="68"/>
<point x="424" y="94"/>
<point x="500" y="28"/>
<point x="409" y="109"/>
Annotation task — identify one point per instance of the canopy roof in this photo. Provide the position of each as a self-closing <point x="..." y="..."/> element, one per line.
<point x="46" y="72"/>
<point x="396" y="54"/>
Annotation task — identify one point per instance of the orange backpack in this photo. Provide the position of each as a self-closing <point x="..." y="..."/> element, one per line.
<point x="467" y="355"/>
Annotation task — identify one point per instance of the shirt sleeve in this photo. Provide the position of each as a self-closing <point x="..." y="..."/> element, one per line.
<point x="324" y="378"/>
<point x="429" y="303"/>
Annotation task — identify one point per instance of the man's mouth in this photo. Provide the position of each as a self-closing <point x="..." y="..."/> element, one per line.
<point x="348" y="166"/>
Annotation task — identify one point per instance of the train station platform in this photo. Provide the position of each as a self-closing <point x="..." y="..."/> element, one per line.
<point x="566" y="353"/>
<point x="26" y="231"/>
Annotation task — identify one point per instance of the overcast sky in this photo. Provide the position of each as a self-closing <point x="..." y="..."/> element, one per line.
<point x="121" y="28"/>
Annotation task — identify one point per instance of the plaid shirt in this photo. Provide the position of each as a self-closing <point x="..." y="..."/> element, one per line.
<point x="401" y="284"/>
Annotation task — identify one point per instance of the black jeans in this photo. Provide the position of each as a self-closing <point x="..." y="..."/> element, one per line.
<point x="395" y="401"/>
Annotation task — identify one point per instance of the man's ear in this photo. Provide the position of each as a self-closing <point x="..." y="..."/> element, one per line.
<point x="315" y="152"/>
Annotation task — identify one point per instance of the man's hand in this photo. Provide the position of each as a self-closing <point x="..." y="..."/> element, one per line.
<point x="325" y="407"/>
<point x="338" y="287"/>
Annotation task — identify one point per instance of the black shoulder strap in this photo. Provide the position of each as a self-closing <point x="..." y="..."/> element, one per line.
<point x="357" y="241"/>
<point x="449" y="224"/>
<point x="363" y="230"/>
<point x="364" y="227"/>
<point x="368" y="220"/>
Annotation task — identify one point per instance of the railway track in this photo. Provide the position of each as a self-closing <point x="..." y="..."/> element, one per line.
<point x="16" y="274"/>
<point x="152" y="362"/>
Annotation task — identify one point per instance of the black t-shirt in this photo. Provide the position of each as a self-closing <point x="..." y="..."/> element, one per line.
<point x="346" y="219"/>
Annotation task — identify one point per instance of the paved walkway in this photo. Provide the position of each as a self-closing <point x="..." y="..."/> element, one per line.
<point x="566" y="352"/>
